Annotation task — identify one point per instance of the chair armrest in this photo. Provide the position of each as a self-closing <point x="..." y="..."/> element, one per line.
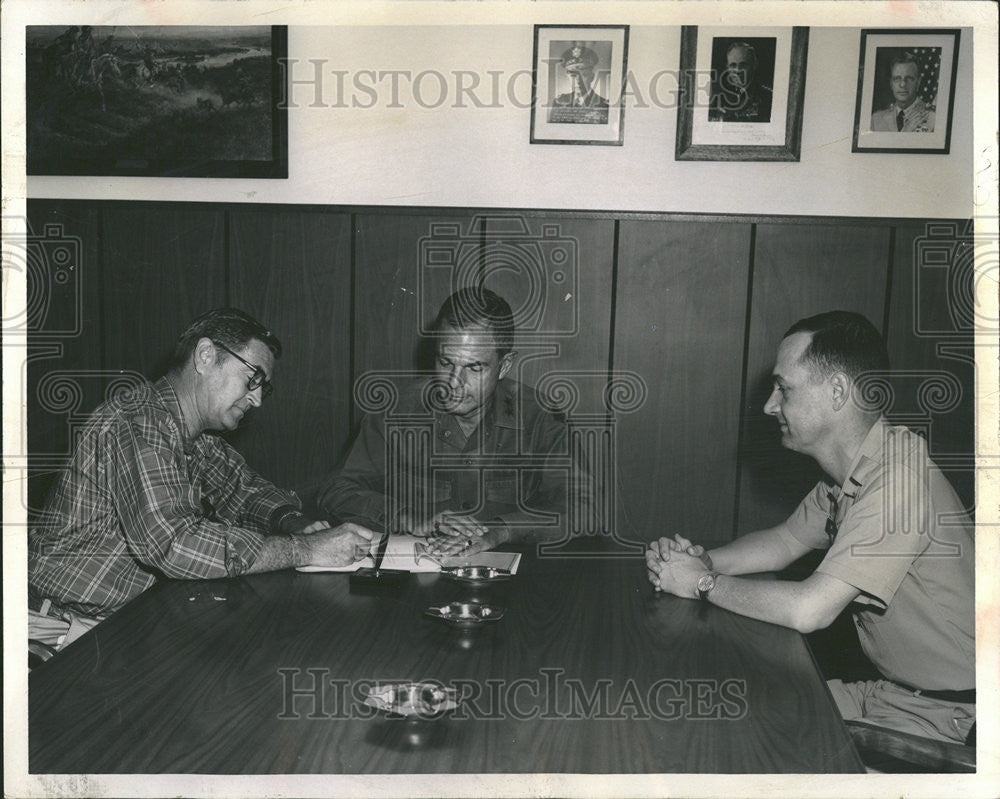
<point x="925" y="752"/>
<point x="38" y="653"/>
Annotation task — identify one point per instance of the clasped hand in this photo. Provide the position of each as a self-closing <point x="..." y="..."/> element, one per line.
<point x="451" y="533"/>
<point x="675" y="564"/>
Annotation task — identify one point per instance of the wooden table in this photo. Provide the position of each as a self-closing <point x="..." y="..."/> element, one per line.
<point x="589" y="671"/>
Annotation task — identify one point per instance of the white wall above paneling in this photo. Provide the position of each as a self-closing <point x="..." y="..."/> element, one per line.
<point x="354" y="140"/>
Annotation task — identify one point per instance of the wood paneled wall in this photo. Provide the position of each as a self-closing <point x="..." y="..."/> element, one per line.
<point x="695" y="306"/>
<point x="682" y="305"/>
<point x="798" y="271"/>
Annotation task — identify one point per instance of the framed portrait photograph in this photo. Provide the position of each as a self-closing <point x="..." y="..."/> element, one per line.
<point x="743" y="91"/>
<point x="906" y="91"/>
<point x="578" y="81"/>
<point x="156" y="101"/>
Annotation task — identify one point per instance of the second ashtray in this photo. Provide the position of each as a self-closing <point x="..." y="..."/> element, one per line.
<point x="465" y="613"/>
<point x="475" y="574"/>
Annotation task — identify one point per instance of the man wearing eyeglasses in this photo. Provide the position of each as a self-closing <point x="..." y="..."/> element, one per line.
<point x="150" y="494"/>
<point x="899" y="545"/>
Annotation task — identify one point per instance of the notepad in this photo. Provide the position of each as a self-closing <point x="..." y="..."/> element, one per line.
<point x="406" y="553"/>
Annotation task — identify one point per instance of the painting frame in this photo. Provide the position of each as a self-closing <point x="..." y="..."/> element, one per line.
<point x="268" y="100"/>
<point x="700" y="137"/>
<point x="934" y="55"/>
<point x="567" y="106"/>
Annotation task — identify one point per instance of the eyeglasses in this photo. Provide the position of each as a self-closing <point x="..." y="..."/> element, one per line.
<point x="258" y="379"/>
<point x="831" y="520"/>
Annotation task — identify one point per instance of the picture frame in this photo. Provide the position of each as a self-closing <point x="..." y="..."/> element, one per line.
<point x="743" y="91"/>
<point x="578" y="84"/>
<point x="906" y="90"/>
<point x="157" y="101"/>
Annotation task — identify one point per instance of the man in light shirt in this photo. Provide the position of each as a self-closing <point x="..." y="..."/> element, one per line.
<point x="908" y="112"/>
<point x="899" y="545"/>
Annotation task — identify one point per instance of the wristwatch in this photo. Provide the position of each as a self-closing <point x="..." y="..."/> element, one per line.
<point x="706" y="583"/>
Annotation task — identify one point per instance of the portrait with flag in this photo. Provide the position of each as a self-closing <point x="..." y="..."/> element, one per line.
<point x="906" y="86"/>
<point x="928" y="68"/>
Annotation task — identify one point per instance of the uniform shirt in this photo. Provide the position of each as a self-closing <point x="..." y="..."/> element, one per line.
<point x="905" y="542"/>
<point x="917" y="118"/>
<point x="729" y="104"/>
<point x="491" y="474"/>
<point x="137" y="502"/>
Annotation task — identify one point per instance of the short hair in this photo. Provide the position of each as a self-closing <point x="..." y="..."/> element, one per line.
<point x="751" y="50"/>
<point x="904" y="57"/>
<point x="478" y="307"/>
<point x="842" y="341"/>
<point x="230" y="327"/>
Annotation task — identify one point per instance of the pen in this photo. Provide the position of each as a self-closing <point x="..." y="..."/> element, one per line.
<point x="380" y="552"/>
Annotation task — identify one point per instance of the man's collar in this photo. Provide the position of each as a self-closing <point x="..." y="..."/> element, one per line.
<point x="868" y="457"/>
<point x="911" y="109"/>
<point x="169" y="399"/>
<point x="504" y="408"/>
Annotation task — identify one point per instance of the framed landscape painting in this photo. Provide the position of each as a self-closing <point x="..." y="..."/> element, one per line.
<point x="163" y="101"/>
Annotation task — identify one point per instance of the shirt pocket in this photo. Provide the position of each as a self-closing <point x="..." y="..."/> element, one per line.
<point x="433" y="490"/>
<point x="501" y="490"/>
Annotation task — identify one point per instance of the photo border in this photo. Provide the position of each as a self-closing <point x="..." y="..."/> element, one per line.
<point x="276" y="167"/>
<point x="538" y="138"/>
<point x="866" y="76"/>
<point x="686" y="149"/>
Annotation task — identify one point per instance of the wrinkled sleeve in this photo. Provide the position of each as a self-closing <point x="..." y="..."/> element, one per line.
<point x="566" y="494"/>
<point x="238" y="494"/>
<point x="808" y="521"/>
<point x="881" y="535"/>
<point x="356" y="491"/>
<point x="160" y="511"/>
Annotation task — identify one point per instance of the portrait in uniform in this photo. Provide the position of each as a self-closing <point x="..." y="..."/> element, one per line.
<point x="906" y="90"/>
<point x="578" y="101"/>
<point x="743" y="77"/>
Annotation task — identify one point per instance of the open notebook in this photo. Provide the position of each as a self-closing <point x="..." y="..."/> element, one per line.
<point x="406" y="552"/>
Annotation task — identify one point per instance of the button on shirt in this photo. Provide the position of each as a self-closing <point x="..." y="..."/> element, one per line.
<point x="138" y="502"/>
<point x="514" y="467"/>
<point x="905" y="542"/>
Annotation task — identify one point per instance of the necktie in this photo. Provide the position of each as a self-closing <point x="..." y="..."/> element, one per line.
<point x="899" y="121"/>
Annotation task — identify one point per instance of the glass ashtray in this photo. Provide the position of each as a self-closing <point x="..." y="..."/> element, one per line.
<point x="420" y="700"/>
<point x="465" y="613"/>
<point x="475" y="574"/>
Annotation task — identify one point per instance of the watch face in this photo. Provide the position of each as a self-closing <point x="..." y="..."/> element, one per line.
<point x="706" y="583"/>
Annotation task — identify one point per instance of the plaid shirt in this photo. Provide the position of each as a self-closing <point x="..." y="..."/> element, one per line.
<point x="137" y="503"/>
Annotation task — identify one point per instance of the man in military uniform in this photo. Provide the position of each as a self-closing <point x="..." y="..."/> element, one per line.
<point x="481" y="478"/>
<point x="582" y="104"/>
<point x="908" y="112"/>
<point x="738" y="95"/>
<point x="899" y="546"/>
